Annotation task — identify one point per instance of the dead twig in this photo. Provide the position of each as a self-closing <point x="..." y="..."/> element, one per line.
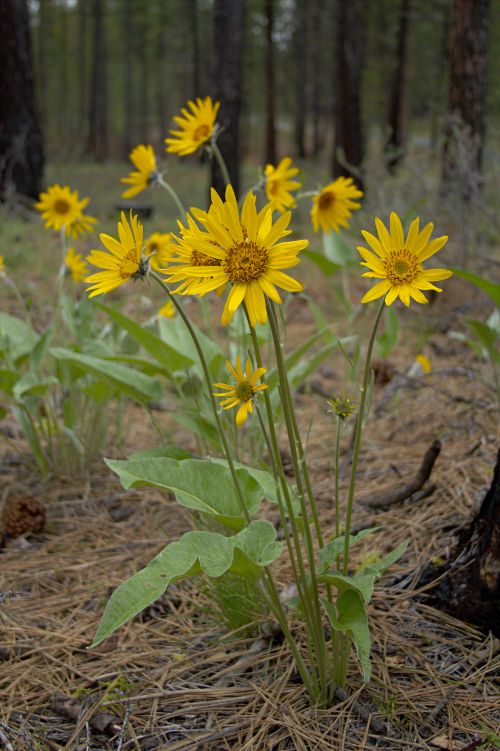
<point x="4" y="740"/>
<point x="385" y="500"/>
<point x="378" y="726"/>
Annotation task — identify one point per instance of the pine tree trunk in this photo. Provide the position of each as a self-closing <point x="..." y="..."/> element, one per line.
<point x="82" y="69"/>
<point x="98" y="127"/>
<point x="127" y="21"/>
<point x="229" y="16"/>
<point x="317" y="76"/>
<point x="398" y="98"/>
<point x="270" y="86"/>
<point x="349" y="145"/>
<point x="21" y="145"/>
<point x="161" y="83"/>
<point x="300" y="48"/>
<point x="469" y="583"/>
<point x="195" y="47"/>
<point x="464" y="121"/>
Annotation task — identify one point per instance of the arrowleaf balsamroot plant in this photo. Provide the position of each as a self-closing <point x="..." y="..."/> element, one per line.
<point x="244" y="254"/>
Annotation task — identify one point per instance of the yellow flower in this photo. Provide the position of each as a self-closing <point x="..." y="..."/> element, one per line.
<point x="333" y="206"/>
<point x="279" y="185"/>
<point x="158" y="249"/>
<point x="342" y="406"/>
<point x="196" y="127"/>
<point x="424" y="363"/>
<point x="244" y="252"/>
<point x="60" y="206"/>
<point x="142" y="157"/>
<point x="168" y="310"/>
<point x="244" y="390"/>
<point x="76" y="265"/>
<point x="398" y="261"/>
<point x="124" y="260"/>
<point x="2" y="267"/>
<point x="80" y="226"/>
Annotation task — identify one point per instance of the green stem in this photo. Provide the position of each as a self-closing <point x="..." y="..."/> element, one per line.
<point x="288" y="410"/>
<point x="357" y="437"/>
<point x="274" y="597"/>
<point x="173" y="195"/>
<point x="338" y="436"/>
<point x="214" y="149"/>
<point x="296" y="560"/>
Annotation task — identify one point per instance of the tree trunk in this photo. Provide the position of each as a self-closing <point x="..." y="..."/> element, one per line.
<point x="398" y="102"/>
<point x="127" y="83"/>
<point x="161" y="78"/>
<point x="470" y="587"/>
<point x="349" y="145"/>
<point x="270" y="86"/>
<point x="21" y="145"/>
<point x="98" y="129"/>
<point x="195" y="47"/>
<point x="229" y="16"/>
<point x="82" y="69"/>
<point x="300" y="48"/>
<point x="464" y="121"/>
<point x="317" y="18"/>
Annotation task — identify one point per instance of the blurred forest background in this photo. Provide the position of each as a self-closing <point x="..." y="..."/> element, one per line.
<point x="314" y="79"/>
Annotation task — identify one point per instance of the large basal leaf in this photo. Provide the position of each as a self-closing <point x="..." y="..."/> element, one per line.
<point x="167" y="354"/>
<point x="198" y="484"/>
<point x="378" y="567"/>
<point x="492" y="289"/>
<point x="321" y="261"/>
<point x="174" y="331"/>
<point x="338" y="250"/>
<point x="348" y="615"/>
<point x="137" y="386"/>
<point x="246" y="553"/>
<point x="16" y="337"/>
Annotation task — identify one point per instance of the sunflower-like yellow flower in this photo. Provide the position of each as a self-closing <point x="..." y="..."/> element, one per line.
<point x="124" y="260"/>
<point x="143" y="158"/>
<point x="168" y="310"/>
<point x="244" y="251"/>
<point x="2" y="267"/>
<point x="424" y="363"/>
<point x="196" y="127"/>
<point x="333" y="206"/>
<point x="60" y="207"/>
<point x="80" y="226"/>
<point x="244" y="390"/>
<point x="279" y="184"/>
<point x="158" y="249"/>
<point x="398" y="261"/>
<point x="76" y="265"/>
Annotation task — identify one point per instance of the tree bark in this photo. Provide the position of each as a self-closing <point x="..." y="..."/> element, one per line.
<point x="195" y="47"/>
<point x="300" y="47"/>
<point x="317" y="18"/>
<point x="470" y="585"/>
<point x="161" y="79"/>
<point x="98" y="126"/>
<point x="398" y="102"/>
<point x="349" y="146"/>
<point x="464" y="120"/>
<point x="21" y="144"/>
<point x="82" y="68"/>
<point x="229" y="16"/>
<point x="270" y="86"/>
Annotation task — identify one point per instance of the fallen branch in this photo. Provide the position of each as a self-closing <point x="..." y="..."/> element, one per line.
<point x="384" y="500"/>
<point x="378" y="726"/>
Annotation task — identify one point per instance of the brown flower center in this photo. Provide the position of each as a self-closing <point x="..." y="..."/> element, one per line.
<point x="244" y="391"/>
<point x="201" y="259"/>
<point x="401" y="267"/>
<point x="61" y="206"/>
<point x="201" y="133"/>
<point x="273" y="187"/>
<point x="129" y="265"/>
<point x="245" y="262"/>
<point x="326" y="200"/>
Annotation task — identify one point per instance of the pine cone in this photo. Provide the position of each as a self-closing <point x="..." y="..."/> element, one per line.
<point x="21" y="515"/>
